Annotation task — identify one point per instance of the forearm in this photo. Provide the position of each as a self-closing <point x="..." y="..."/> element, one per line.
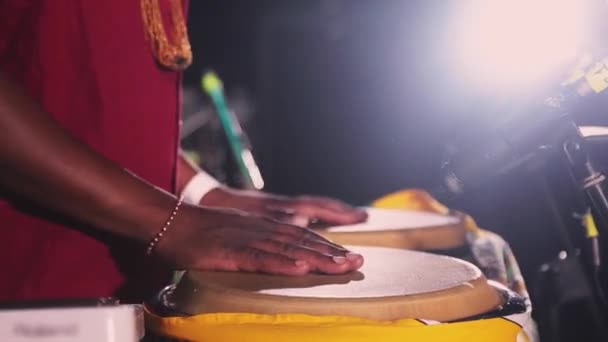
<point x="42" y="163"/>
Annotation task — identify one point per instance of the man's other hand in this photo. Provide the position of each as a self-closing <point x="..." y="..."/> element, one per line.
<point x="300" y="210"/>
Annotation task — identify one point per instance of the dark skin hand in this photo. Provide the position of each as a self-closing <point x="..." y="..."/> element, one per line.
<point x="38" y="158"/>
<point x="251" y="243"/>
<point x="300" y="210"/>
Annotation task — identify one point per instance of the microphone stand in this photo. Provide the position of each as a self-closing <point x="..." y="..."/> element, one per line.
<point x="564" y="137"/>
<point x="564" y="278"/>
<point x="591" y="182"/>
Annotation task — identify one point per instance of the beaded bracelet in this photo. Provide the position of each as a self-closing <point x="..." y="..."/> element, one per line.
<point x="160" y="234"/>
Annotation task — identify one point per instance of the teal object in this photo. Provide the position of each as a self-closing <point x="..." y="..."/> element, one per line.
<point x="212" y="86"/>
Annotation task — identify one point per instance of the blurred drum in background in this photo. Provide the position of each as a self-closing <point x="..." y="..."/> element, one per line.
<point x="399" y="228"/>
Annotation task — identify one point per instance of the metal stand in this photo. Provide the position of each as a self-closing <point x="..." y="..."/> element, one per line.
<point x="565" y="282"/>
<point x="591" y="182"/>
<point x="565" y="138"/>
<point x="589" y="179"/>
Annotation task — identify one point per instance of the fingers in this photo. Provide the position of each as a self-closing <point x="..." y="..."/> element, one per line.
<point x="304" y="244"/>
<point x="282" y="216"/>
<point x="233" y="241"/>
<point x="283" y="213"/>
<point x="251" y="259"/>
<point x="292" y="234"/>
<point x="306" y="237"/>
<point x="337" y="263"/>
<point x="320" y="246"/>
<point x="325" y="209"/>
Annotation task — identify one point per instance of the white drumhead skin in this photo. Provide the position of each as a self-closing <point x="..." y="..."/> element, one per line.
<point x="396" y="219"/>
<point x="392" y="284"/>
<point x="387" y="272"/>
<point x="400" y="228"/>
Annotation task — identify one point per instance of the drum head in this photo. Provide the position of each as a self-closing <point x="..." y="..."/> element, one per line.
<point x="392" y="284"/>
<point x="397" y="228"/>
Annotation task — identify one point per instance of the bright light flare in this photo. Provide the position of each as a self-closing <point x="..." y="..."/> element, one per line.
<point x="516" y="43"/>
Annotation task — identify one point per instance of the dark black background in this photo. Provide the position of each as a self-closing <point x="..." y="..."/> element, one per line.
<point x="355" y="99"/>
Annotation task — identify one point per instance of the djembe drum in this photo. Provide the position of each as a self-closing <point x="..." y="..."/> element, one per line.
<point x="398" y="295"/>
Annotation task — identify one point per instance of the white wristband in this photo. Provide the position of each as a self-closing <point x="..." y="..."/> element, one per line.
<point x="199" y="186"/>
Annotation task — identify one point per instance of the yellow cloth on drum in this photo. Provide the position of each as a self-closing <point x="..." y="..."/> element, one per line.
<point x="306" y="328"/>
<point x="413" y="199"/>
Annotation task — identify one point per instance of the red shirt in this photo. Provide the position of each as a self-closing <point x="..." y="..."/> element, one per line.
<point x="88" y="64"/>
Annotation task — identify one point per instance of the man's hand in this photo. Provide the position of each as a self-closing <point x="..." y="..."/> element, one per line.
<point x="229" y="240"/>
<point x="297" y="210"/>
